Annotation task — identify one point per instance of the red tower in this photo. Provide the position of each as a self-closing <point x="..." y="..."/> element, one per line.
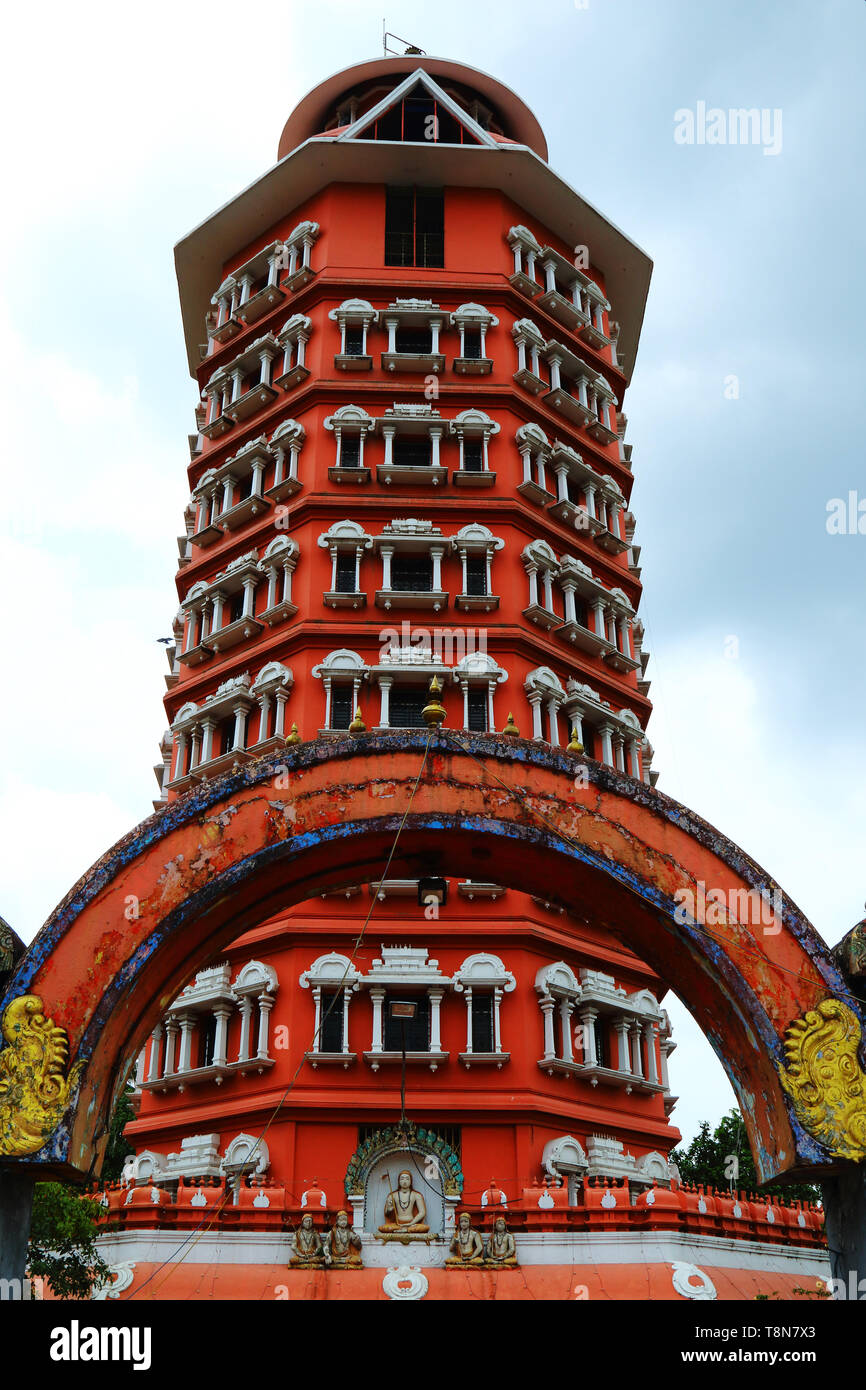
<point x="410" y="464"/>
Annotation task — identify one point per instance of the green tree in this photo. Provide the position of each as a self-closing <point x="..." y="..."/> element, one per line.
<point x="63" y="1233"/>
<point x="118" y="1147"/>
<point x="723" y="1159"/>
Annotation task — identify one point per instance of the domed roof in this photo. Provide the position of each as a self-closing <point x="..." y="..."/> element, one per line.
<point x="312" y="112"/>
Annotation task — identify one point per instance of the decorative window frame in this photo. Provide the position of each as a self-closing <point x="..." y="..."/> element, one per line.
<point x="485" y="972"/>
<point x="474" y="424"/>
<point x="272" y="686"/>
<point x="255" y="984"/>
<point x="349" y="420"/>
<point x="529" y="338"/>
<point x="196" y="723"/>
<point x="331" y="972"/>
<point x="410" y="313"/>
<point x="543" y="687"/>
<point x="557" y="987"/>
<point x="479" y="669"/>
<point x="537" y="557"/>
<point x="402" y="664"/>
<point x="409" y="534"/>
<point x="292" y="341"/>
<point x="235" y="298"/>
<point x="523" y="244"/>
<point x="278" y="565"/>
<point x="289" y="438"/>
<point x="205" y="604"/>
<point x="534" y="448"/>
<point x="245" y="1154"/>
<point x="228" y="401"/>
<point x="299" y="247"/>
<point x="473" y="316"/>
<point x="345" y="536"/>
<point x="410" y="419"/>
<point x="343" y="666"/>
<point x="410" y="968"/>
<point x="619" y="731"/>
<point x="357" y="312"/>
<point x="475" y="539"/>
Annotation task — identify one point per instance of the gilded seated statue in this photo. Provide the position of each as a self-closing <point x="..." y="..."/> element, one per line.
<point x="500" y="1247"/>
<point x="343" y="1247"/>
<point x="466" y="1246"/>
<point x="405" y="1209"/>
<point x="306" y="1249"/>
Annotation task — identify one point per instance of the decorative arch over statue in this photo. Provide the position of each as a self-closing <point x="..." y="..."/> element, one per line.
<point x="220" y="859"/>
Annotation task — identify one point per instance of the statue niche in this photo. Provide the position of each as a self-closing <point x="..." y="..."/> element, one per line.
<point x="405" y="1209"/>
<point x="466" y="1246"/>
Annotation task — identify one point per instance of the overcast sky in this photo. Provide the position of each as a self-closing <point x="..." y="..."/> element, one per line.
<point x="125" y="126"/>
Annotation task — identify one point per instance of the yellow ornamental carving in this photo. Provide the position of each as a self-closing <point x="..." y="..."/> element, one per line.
<point x="824" y="1078"/>
<point x="34" y="1088"/>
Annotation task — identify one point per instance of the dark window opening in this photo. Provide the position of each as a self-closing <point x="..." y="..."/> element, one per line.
<point x="476" y="575"/>
<point x="588" y="741"/>
<point x="575" y="492"/>
<point x="473" y="455"/>
<point x="236" y="607"/>
<point x="482" y="1023"/>
<point x="405" y="708"/>
<point x="207" y="1043"/>
<point x="417" y="1028"/>
<point x="412" y="453"/>
<point x="472" y="343"/>
<point x="224" y="737"/>
<point x="478" y="725"/>
<point x="341" y="706"/>
<point x="412" y="574"/>
<point x="345" y="574"/>
<point x="601" y="1048"/>
<point x="350" y="451"/>
<point x="354" y="346"/>
<point x="419" y="119"/>
<point x="331" y="1023"/>
<point x="414" y="227"/>
<point x="416" y="341"/>
<point x="581" y="612"/>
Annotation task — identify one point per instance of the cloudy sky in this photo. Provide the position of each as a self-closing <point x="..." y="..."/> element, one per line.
<point x="126" y="127"/>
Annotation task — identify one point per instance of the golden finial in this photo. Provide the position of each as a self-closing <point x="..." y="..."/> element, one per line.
<point x="357" y="725"/>
<point x="575" y="746"/>
<point x="511" y="730"/>
<point x="293" y="738"/>
<point x="433" y="714"/>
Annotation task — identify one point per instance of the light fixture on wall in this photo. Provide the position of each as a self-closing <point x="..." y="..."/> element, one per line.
<point x="435" y="888"/>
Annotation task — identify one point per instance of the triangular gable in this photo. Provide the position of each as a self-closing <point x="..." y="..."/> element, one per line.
<point x="418" y="78"/>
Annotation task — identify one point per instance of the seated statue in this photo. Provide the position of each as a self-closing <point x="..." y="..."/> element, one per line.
<point x="500" y="1247"/>
<point x="466" y="1246"/>
<point x="405" y="1209"/>
<point x="343" y="1245"/>
<point x="306" y="1249"/>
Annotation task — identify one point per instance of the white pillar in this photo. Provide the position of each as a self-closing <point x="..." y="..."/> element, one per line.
<point x="246" y="1012"/>
<point x="153" y="1072"/>
<point x="565" y="1010"/>
<point x="547" y="1004"/>
<point x="587" y="1019"/>
<point x="649" y="1033"/>
<point x="435" y="996"/>
<point x="468" y="1018"/>
<point x="623" y="1063"/>
<point x="377" y="996"/>
<point x="266" y="1003"/>
<point x="222" y="1014"/>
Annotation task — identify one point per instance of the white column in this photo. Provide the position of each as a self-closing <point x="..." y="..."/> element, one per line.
<point x="587" y="1019"/>
<point x="649" y="1033"/>
<point x="553" y="716"/>
<point x="153" y="1072"/>
<point x="317" y="1027"/>
<point x="391" y="325"/>
<point x="497" y="1000"/>
<point x="636" y="1062"/>
<point x="377" y="995"/>
<point x="468" y="1018"/>
<point x="170" y="1040"/>
<point x="139" y="1067"/>
<point x="535" y="701"/>
<point x="565" y="1010"/>
<point x="347" y="995"/>
<point x="385" y="698"/>
<point x="185" y="1059"/>
<point x="387" y="552"/>
<point x="532" y="572"/>
<point x="279" y="725"/>
<point x="606" y="749"/>
<point x="547" y="1004"/>
<point x="222" y="1014"/>
<point x="435" y="996"/>
<point x="436" y="557"/>
<point x="623" y="1063"/>
<point x="266" y="1003"/>
<point x="246" y="1012"/>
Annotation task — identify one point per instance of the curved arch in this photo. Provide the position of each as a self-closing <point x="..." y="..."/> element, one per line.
<point x="240" y="848"/>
